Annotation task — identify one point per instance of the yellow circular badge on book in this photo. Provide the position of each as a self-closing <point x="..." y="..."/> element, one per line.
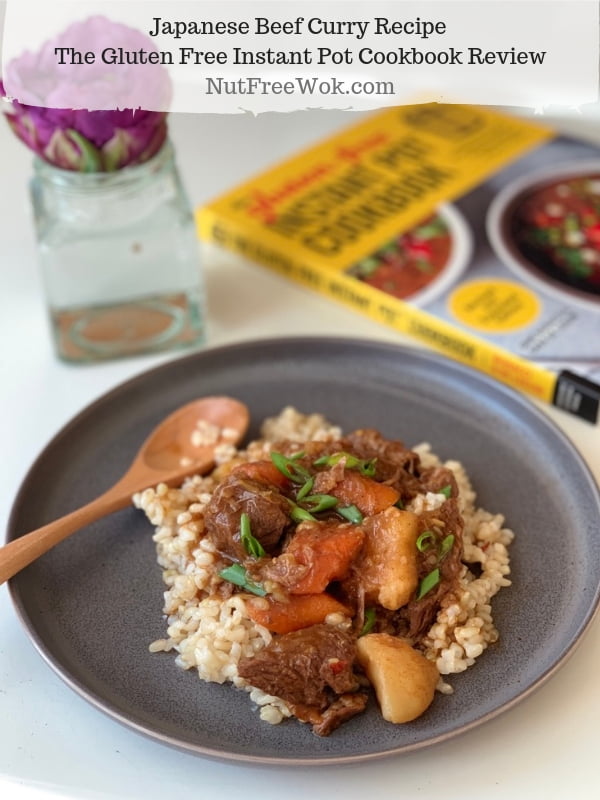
<point x="494" y="306"/>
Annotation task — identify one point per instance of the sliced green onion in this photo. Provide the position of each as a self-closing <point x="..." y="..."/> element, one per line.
<point x="319" y="502"/>
<point x="366" y="468"/>
<point x="369" y="621"/>
<point x="425" y="541"/>
<point x="237" y="574"/>
<point x="351" y="513"/>
<point x="301" y="515"/>
<point x="399" y="504"/>
<point x="328" y="461"/>
<point x="289" y="468"/>
<point x="429" y="582"/>
<point x="306" y="489"/>
<point x="251" y="545"/>
<point x="446" y="491"/>
<point x="446" y="546"/>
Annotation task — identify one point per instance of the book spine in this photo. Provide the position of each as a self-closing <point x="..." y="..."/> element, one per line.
<point x="504" y="366"/>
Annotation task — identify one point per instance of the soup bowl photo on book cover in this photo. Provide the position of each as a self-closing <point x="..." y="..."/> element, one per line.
<point x="423" y="262"/>
<point x="545" y="227"/>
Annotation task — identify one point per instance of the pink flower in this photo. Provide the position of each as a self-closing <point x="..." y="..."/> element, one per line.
<point x="51" y="102"/>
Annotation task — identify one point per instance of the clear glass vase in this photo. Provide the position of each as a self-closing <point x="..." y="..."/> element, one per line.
<point x="120" y="259"/>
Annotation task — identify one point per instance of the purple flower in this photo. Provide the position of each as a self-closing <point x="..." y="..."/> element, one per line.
<point x="89" y="117"/>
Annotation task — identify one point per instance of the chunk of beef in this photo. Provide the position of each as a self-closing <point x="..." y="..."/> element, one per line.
<point x="396" y="464"/>
<point x="342" y="709"/>
<point x="327" y="479"/>
<point x="448" y="521"/>
<point x="306" y="667"/>
<point x="434" y="479"/>
<point x="421" y="614"/>
<point x="267" y="508"/>
<point x="312" y="450"/>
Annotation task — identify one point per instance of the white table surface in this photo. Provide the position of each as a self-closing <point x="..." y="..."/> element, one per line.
<point x="51" y="741"/>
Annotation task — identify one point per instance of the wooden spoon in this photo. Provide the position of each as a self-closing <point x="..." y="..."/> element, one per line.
<point x="167" y="456"/>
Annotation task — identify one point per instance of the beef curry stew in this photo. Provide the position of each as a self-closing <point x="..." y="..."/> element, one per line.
<point x="321" y="533"/>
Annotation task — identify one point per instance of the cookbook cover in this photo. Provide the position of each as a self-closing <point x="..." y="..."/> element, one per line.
<point x="475" y="232"/>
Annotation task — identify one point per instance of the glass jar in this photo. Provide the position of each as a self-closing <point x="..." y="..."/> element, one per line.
<point x="120" y="259"/>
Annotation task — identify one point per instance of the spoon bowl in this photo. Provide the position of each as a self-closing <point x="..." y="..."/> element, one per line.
<point x="183" y="444"/>
<point x="186" y="440"/>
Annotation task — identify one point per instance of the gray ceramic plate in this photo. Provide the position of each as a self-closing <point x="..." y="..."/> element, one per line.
<point x="93" y="604"/>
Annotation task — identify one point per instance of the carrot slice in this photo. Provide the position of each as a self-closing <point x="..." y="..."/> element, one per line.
<point x="365" y="493"/>
<point x="264" y="472"/>
<point x="300" y="611"/>
<point x="327" y="550"/>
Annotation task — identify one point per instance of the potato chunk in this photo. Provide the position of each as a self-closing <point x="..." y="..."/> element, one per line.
<point x="388" y="566"/>
<point x="403" y="679"/>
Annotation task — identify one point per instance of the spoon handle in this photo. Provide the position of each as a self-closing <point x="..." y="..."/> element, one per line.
<point x="21" y="552"/>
